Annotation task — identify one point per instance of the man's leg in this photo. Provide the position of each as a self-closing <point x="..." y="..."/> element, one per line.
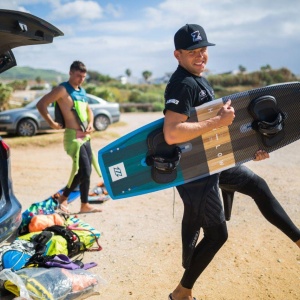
<point x="202" y="208"/>
<point x="243" y="180"/>
<point x="214" y="238"/>
<point x="85" y="170"/>
<point x="82" y="178"/>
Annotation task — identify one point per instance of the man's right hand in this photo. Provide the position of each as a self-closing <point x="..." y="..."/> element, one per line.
<point x="226" y="114"/>
<point x="56" y="125"/>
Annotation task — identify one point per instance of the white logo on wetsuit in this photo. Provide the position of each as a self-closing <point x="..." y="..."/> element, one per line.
<point x="202" y="94"/>
<point x="174" y="101"/>
<point x="196" y="36"/>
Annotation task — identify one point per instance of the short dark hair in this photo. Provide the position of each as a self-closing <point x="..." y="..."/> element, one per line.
<point x="78" y="66"/>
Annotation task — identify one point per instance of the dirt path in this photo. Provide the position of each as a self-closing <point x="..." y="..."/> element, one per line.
<point x="141" y="256"/>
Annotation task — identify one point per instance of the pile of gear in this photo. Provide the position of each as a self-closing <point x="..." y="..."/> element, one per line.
<point x="45" y="260"/>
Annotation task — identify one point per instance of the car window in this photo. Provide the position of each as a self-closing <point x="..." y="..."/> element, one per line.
<point x="92" y="101"/>
<point x="32" y="104"/>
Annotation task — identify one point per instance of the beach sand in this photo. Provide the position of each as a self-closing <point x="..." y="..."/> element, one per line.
<point x="141" y="256"/>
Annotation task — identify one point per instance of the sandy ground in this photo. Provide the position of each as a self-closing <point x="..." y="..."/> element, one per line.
<point x="141" y="256"/>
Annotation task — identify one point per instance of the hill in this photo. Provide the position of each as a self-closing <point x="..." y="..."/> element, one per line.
<point x="28" y="73"/>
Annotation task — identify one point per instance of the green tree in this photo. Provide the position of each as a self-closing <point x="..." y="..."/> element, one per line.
<point x="94" y="76"/>
<point x="242" y="69"/>
<point x="147" y="74"/>
<point x="18" y="84"/>
<point x="128" y="72"/>
<point x="38" y="79"/>
<point x="5" y="93"/>
<point x="266" y="68"/>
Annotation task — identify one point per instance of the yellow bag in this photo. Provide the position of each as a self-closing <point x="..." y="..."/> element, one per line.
<point x="58" y="244"/>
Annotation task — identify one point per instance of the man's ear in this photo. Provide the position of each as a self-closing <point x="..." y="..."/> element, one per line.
<point x="177" y="54"/>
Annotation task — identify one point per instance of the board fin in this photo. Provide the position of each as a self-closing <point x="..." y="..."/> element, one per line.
<point x="163" y="158"/>
<point x="268" y="119"/>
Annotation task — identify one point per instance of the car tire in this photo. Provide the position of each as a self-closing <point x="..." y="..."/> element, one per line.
<point x="101" y="122"/>
<point x="26" y="127"/>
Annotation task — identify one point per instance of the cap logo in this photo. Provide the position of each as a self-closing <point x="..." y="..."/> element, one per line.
<point x="196" y="36"/>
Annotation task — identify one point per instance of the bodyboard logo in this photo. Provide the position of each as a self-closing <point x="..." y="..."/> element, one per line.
<point x="117" y="172"/>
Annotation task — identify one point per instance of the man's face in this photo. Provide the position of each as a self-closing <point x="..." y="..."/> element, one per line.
<point x="77" y="77"/>
<point x="193" y="61"/>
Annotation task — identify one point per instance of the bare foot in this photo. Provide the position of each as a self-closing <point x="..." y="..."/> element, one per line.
<point x="88" y="208"/>
<point x="63" y="203"/>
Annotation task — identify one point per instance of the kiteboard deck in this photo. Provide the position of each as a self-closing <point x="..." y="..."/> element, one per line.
<point x="123" y="162"/>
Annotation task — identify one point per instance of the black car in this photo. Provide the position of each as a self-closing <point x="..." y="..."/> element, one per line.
<point x="16" y="29"/>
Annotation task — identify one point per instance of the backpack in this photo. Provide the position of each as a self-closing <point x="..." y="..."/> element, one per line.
<point x="16" y="255"/>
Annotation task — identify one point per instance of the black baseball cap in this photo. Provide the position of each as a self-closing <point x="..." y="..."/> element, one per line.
<point x="191" y="36"/>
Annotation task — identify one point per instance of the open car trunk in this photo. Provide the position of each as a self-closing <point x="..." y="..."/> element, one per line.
<point x="22" y="29"/>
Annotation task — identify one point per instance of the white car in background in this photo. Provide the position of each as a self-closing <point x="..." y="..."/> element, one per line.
<point x="27" y="121"/>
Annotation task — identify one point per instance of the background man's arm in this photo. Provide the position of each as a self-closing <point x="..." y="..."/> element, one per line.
<point x="90" y="127"/>
<point x="43" y="104"/>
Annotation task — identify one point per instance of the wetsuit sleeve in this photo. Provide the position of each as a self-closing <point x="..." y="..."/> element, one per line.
<point x="179" y="100"/>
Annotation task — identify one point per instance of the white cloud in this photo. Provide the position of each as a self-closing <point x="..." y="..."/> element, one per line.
<point x="78" y="10"/>
<point x="114" y="10"/>
<point x="251" y="33"/>
<point x="12" y="5"/>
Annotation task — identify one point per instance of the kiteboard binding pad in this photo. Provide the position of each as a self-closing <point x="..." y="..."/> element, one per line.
<point x="141" y="162"/>
<point x="162" y="158"/>
<point x="269" y="122"/>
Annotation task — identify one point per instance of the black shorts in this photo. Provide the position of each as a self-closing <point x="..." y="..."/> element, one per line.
<point x="202" y="202"/>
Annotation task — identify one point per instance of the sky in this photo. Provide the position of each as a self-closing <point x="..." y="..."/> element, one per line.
<point x="112" y="36"/>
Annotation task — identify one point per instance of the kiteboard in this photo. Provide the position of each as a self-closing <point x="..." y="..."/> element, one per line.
<point x="72" y="197"/>
<point x="141" y="162"/>
<point x="97" y="195"/>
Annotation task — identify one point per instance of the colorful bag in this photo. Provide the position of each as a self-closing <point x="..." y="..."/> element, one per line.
<point x="60" y="261"/>
<point x="81" y="233"/>
<point x="40" y="222"/>
<point x="16" y="255"/>
<point x="46" y="207"/>
<point x="52" y="284"/>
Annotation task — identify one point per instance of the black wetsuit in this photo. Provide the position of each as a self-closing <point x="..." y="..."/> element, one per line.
<point x="243" y="180"/>
<point x="82" y="178"/>
<point x="201" y="199"/>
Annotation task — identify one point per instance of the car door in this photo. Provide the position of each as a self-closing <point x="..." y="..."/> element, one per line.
<point x="16" y="29"/>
